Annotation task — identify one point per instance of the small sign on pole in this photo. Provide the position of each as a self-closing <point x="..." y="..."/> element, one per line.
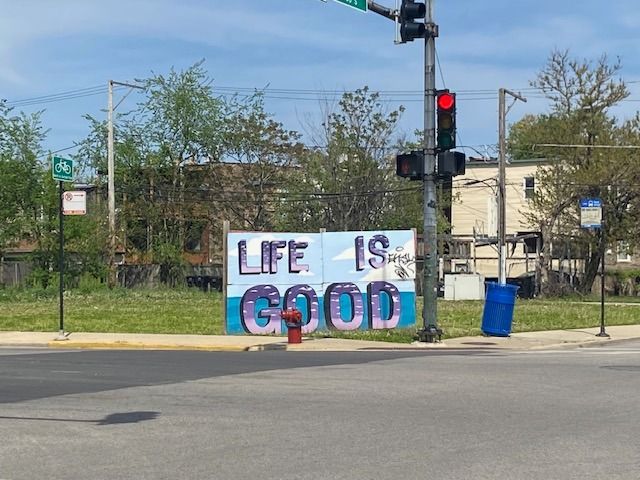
<point x="591" y="217"/>
<point x="62" y="169"/>
<point x="590" y="213"/>
<point x="74" y="203"/>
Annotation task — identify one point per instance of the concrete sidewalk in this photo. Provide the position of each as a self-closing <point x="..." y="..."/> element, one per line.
<point x="517" y="341"/>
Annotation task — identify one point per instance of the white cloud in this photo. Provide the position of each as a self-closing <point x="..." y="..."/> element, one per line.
<point x="347" y="254"/>
<point x="254" y="245"/>
<point x="306" y="273"/>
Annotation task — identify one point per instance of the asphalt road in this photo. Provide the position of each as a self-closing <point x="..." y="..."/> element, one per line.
<point x="565" y="414"/>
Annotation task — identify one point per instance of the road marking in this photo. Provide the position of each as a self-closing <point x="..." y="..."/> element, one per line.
<point x="583" y="351"/>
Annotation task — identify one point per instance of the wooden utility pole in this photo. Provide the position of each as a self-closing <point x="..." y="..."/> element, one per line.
<point x="112" y="278"/>
<point x="502" y="224"/>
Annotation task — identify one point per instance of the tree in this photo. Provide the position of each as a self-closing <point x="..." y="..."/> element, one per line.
<point x="178" y="124"/>
<point x="260" y="155"/>
<point x="581" y="94"/>
<point x="347" y="181"/>
<point x="20" y="172"/>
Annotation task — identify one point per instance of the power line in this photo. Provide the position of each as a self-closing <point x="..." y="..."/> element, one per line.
<point x="58" y="97"/>
<point x="292" y="94"/>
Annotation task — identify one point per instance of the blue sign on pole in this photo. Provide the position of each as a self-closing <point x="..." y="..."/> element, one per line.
<point x="590" y="202"/>
<point x="590" y="213"/>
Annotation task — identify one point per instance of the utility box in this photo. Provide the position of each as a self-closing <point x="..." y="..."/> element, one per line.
<point x="464" y="286"/>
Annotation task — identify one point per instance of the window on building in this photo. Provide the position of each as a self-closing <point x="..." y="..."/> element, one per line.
<point x="623" y="253"/>
<point x="193" y="236"/>
<point x="529" y="185"/>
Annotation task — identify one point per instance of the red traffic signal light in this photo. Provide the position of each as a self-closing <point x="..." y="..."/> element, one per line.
<point x="446" y="101"/>
<point x="446" y="116"/>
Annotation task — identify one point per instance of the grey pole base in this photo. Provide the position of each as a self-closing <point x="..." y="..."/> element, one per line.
<point x="62" y="336"/>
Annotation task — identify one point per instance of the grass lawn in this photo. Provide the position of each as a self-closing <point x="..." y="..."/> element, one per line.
<point x="120" y="310"/>
<point x="190" y="311"/>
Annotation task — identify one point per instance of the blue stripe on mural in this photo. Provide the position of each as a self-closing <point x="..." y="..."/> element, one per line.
<point x="407" y="312"/>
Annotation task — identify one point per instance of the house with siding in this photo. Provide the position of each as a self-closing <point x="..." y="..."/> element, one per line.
<point x="474" y="213"/>
<point x="474" y="224"/>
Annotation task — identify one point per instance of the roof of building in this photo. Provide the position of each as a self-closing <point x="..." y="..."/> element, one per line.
<point x="474" y="162"/>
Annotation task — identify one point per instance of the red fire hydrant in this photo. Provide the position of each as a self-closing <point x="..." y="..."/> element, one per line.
<point x="293" y="319"/>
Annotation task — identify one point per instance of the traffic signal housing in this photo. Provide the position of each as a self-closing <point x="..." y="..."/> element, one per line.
<point x="446" y="120"/>
<point x="410" y="165"/>
<point x="409" y="28"/>
<point x="451" y="164"/>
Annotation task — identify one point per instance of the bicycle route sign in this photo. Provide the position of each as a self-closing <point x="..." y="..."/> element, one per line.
<point x="62" y="169"/>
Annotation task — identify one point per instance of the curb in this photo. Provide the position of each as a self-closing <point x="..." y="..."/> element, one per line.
<point x="144" y="346"/>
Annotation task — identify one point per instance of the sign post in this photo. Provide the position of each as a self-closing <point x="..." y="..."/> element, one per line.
<point x="591" y="213"/>
<point x="62" y="171"/>
<point x="74" y="203"/>
<point x="591" y="218"/>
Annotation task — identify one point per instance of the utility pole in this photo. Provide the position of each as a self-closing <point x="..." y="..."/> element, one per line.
<point x="111" y="195"/>
<point x="502" y="224"/>
<point x="111" y="191"/>
<point x="430" y="329"/>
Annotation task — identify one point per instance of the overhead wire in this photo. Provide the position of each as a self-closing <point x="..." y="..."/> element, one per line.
<point x="292" y="94"/>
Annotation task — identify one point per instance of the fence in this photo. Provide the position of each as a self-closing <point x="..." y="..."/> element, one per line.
<point x="14" y="273"/>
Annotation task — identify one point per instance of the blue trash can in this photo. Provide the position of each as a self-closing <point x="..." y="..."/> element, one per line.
<point x="498" y="309"/>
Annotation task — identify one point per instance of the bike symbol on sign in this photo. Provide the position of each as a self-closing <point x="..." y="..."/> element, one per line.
<point x="63" y="167"/>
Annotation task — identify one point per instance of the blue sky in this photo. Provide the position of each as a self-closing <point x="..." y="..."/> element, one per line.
<point x="47" y="47"/>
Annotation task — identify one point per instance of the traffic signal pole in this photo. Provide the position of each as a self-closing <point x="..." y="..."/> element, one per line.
<point x="405" y="17"/>
<point x="430" y="330"/>
<point x="409" y="30"/>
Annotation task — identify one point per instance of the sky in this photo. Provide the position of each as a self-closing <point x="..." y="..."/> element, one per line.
<point x="302" y="52"/>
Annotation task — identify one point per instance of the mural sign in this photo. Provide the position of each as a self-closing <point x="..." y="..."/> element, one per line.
<point x="338" y="280"/>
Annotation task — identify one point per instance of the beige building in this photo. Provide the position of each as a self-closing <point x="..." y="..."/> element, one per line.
<point x="474" y="215"/>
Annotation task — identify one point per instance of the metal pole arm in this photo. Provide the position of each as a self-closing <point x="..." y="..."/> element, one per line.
<point x="515" y="95"/>
<point x="381" y="10"/>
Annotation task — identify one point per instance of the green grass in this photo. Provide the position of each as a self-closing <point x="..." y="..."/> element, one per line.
<point x="120" y="310"/>
<point x="189" y="311"/>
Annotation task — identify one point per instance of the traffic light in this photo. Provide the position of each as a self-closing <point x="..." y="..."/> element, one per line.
<point x="410" y="29"/>
<point x="451" y="164"/>
<point x="410" y="165"/>
<point x="446" y="112"/>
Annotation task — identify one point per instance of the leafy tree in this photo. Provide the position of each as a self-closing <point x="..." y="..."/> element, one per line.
<point x="259" y="154"/>
<point x="349" y="182"/>
<point x="581" y="94"/>
<point x="178" y="124"/>
<point x="20" y="145"/>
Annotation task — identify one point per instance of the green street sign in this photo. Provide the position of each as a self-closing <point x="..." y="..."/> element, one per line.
<point x="62" y="169"/>
<point x="357" y="4"/>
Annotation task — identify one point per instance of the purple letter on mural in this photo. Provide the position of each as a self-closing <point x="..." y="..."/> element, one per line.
<point x="242" y="259"/>
<point x="275" y="254"/>
<point x="266" y="256"/>
<point x="359" y="253"/>
<point x="312" y="313"/>
<point x="332" y="311"/>
<point x="374" y="291"/>
<point x="379" y="252"/>
<point x="294" y="255"/>
<point x="271" y="314"/>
